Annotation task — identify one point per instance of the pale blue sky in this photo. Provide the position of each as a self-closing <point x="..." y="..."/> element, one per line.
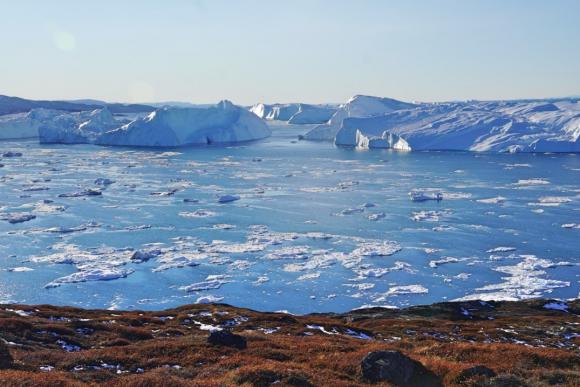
<point x="293" y="50"/>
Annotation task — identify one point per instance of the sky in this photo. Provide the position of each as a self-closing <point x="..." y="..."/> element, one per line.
<point x="316" y="51"/>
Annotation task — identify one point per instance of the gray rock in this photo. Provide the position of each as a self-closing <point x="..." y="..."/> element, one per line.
<point x="227" y="339"/>
<point x="6" y="360"/>
<point x="396" y="368"/>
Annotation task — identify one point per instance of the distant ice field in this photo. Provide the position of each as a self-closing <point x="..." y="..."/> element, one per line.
<point x="281" y="224"/>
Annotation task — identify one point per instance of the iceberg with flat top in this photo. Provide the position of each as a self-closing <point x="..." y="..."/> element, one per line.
<point x="169" y="126"/>
<point x="25" y="125"/>
<point x="492" y="126"/>
<point x="165" y="127"/>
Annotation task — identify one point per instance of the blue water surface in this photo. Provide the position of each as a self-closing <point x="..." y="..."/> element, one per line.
<point x="507" y="226"/>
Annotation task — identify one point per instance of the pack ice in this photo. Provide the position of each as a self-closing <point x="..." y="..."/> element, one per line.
<point x="497" y="126"/>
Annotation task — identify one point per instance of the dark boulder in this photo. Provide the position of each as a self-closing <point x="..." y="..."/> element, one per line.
<point x="227" y="339"/>
<point x="476" y="372"/>
<point x="396" y="368"/>
<point x="6" y="360"/>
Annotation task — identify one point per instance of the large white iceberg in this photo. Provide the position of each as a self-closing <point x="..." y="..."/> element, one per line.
<point x="294" y="113"/>
<point x="73" y="128"/>
<point x="25" y="125"/>
<point x="498" y="126"/>
<point x="169" y="126"/>
<point x="357" y="106"/>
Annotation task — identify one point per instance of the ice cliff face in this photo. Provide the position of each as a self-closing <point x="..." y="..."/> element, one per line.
<point x="504" y="126"/>
<point x="357" y="106"/>
<point x="77" y="128"/>
<point x="223" y="123"/>
<point x="25" y="125"/>
<point x="294" y="113"/>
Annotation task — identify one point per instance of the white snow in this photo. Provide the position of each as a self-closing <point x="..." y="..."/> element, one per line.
<point x="498" y="126"/>
<point x="402" y="290"/>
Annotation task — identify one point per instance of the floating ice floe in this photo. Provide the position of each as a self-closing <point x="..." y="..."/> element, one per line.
<point x="91" y="274"/>
<point x="424" y="195"/>
<point x="531" y="182"/>
<point x="19" y="217"/>
<point x="212" y="282"/>
<point x="376" y="216"/>
<point x="429" y="216"/>
<point x="197" y="214"/>
<point x="436" y="263"/>
<point x="495" y="200"/>
<point x="228" y="198"/>
<point x="551" y="201"/>
<point x="85" y="192"/>
<point x="571" y="225"/>
<point x="402" y="290"/>
<point x="19" y="269"/>
<point x="501" y="249"/>
<point x="290" y="252"/>
<point x="376" y="249"/>
<point x="524" y="280"/>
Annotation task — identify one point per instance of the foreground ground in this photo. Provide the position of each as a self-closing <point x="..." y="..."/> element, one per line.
<point x="525" y="343"/>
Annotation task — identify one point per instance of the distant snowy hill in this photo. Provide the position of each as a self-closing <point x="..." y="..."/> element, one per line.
<point x="294" y="113"/>
<point x="11" y="105"/>
<point x="499" y="126"/>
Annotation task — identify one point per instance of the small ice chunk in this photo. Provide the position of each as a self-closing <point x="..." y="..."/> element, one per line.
<point x="17" y="217"/>
<point x="377" y="249"/>
<point x="228" y="198"/>
<point x="209" y="299"/>
<point x="495" y="200"/>
<point x="417" y="195"/>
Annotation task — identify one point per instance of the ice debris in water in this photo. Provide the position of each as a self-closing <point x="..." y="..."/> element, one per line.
<point x="402" y="290"/>
<point x="228" y="198"/>
<point x="522" y="281"/>
<point x="424" y="195"/>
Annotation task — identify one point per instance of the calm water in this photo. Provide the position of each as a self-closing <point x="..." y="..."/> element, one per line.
<point x="506" y="228"/>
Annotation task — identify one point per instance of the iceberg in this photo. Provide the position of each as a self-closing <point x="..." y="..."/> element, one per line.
<point x="77" y="128"/>
<point x="170" y="127"/>
<point x="294" y="113"/>
<point x="164" y="127"/>
<point x="495" y="126"/>
<point x="357" y="106"/>
<point x="24" y="125"/>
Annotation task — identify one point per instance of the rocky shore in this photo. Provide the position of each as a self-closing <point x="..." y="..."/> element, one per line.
<point x="526" y="343"/>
